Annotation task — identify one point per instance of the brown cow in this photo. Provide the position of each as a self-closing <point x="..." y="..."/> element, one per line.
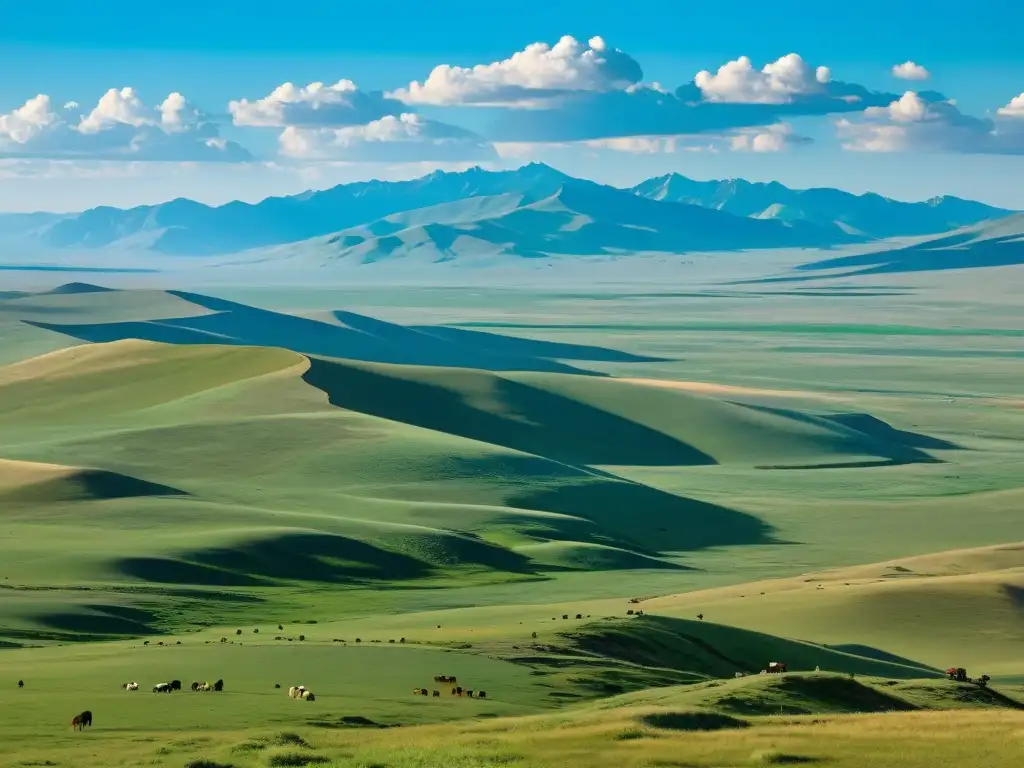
<point x="78" y="722"/>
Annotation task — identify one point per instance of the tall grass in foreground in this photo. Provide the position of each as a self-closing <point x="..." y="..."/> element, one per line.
<point x="618" y="739"/>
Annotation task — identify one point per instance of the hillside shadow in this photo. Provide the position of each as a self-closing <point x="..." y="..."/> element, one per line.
<point x="692" y="721"/>
<point x="361" y="338"/>
<point x="879" y="438"/>
<point x="867" y="424"/>
<point x="511" y="346"/>
<point x="869" y="652"/>
<point x="518" y="416"/>
<point x="109" y="620"/>
<point x="321" y="558"/>
<point x="304" y="557"/>
<point x="952" y="252"/>
<point x="646" y="519"/>
<point x="90" y="484"/>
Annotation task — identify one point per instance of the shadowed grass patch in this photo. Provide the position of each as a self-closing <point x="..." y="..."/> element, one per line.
<point x="692" y="721"/>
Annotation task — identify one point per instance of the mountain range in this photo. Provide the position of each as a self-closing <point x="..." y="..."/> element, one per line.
<point x="533" y="211"/>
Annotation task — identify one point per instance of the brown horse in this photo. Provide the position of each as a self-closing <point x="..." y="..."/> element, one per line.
<point x="78" y="722"/>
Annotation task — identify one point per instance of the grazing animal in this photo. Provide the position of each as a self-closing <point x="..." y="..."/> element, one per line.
<point x="78" y="722"/>
<point x="195" y="685"/>
<point x="175" y="685"/>
<point x="436" y="693"/>
<point x="219" y="685"/>
<point x="21" y="683"/>
<point x="776" y="667"/>
<point x="162" y="688"/>
<point x="296" y="691"/>
<point x="454" y="691"/>
<point x="700" y="616"/>
<point x="469" y="693"/>
<point x="277" y="685"/>
<point x="133" y="686"/>
<point x="308" y="696"/>
<point x="481" y="694"/>
<point x="458" y="691"/>
<point x="445" y="679"/>
<point x="419" y="691"/>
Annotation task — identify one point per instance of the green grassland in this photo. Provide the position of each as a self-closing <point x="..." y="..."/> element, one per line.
<point x="461" y="470"/>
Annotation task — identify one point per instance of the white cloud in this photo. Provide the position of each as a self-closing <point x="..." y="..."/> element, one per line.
<point x="771" y="138"/>
<point x="529" y="77"/>
<point x="780" y="82"/>
<point x="1014" y="109"/>
<point x="115" y="107"/>
<point x="312" y="106"/>
<point x="120" y="127"/>
<point x="27" y="122"/>
<point x="915" y="123"/>
<point x="637" y="145"/>
<point x="908" y="70"/>
<point x="407" y="138"/>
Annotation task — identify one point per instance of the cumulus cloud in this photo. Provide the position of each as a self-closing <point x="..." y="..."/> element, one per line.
<point x="920" y="122"/>
<point x="119" y="127"/>
<point x="908" y="70"/>
<point x="391" y="139"/>
<point x="644" y="111"/>
<point x="532" y="76"/>
<point x="771" y="138"/>
<point x="1014" y="109"/>
<point x="779" y="82"/>
<point x="314" y="106"/>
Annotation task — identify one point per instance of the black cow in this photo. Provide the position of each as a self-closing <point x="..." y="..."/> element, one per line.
<point x="175" y="685"/>
<point x="219" y="685"/>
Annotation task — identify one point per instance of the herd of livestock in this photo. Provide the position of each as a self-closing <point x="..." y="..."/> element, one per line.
<point x="78" y="722"/>
<point x="457" y="690"/>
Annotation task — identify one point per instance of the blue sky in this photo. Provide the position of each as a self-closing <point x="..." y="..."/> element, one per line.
<point x="591" y="110"/>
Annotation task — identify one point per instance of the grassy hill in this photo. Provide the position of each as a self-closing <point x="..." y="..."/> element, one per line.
<point x="143" y="479"/>
<point x="904" y="606"/>
<point x="219" y="466"/>
<point x="338" y="482"/>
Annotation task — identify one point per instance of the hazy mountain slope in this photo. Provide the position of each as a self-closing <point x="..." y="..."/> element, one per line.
<point x="990" y="244"/>
<point x="870" y="214"/>
<point x="472" y="208"/>
<point x="187" y="227"/>
<point x="578" y="219"/>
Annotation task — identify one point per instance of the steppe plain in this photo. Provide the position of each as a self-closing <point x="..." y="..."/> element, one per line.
<point x="392" y="483"/>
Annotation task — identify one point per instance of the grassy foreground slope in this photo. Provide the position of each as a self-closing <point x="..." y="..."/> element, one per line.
<point x="904" y="727"/>
<point x="155" y="467"/>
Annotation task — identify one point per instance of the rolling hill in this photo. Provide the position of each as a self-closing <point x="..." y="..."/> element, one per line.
<point x="220" y="446"/>
<point x="904" y="606"/>
<point x="869" y="215"/>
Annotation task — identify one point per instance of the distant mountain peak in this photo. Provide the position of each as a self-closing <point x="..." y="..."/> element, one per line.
<point x="634" y="219"/>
